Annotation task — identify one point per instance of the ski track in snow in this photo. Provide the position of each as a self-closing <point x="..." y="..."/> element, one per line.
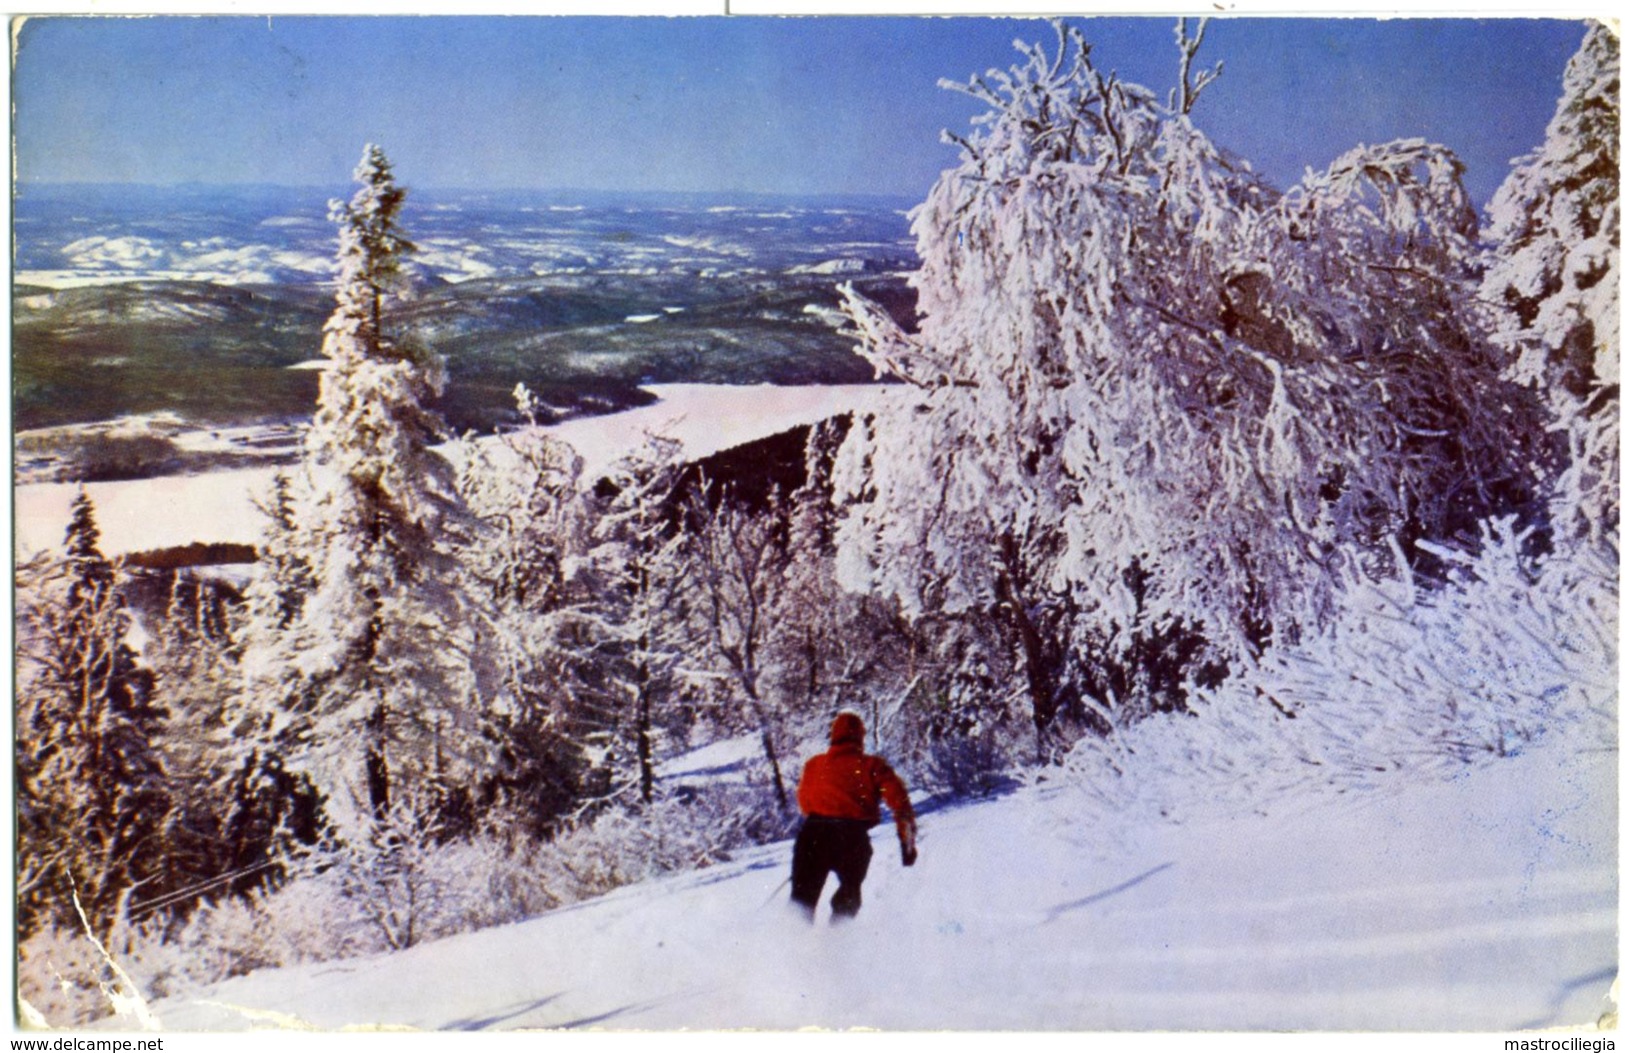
<point x="1485" y="902"/>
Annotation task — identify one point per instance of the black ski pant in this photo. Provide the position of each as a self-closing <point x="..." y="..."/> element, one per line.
<point x="823" y="845"/>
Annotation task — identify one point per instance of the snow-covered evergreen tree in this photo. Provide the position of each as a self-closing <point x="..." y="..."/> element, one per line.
<point x="191" y="651"/>
<point x="374" y="679"/>
<point x="1160" y="404"/>
<point x="283" y="577"/>
<point x="240" y="817"/>
<point x="1555" y="275"/>
<point x="92" y="799"/>
<point x="584" y="579"/>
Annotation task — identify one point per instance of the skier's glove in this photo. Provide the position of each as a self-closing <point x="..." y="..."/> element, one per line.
<point x="905" y="839"/>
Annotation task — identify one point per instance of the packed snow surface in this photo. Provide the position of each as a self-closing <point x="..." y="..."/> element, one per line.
<point x="726" y="760"/>
<point x="146" y="514"/>
<point x="1483" y="902"/>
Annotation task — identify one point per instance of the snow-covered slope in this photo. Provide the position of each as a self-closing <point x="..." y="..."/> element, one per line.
<point x="1484" y="902"/>
<point x="146" y="514"/>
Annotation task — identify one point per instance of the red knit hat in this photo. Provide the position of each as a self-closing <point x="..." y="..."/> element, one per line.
<point x="848" y="727"/>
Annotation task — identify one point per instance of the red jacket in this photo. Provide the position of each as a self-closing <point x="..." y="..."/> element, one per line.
<point x="847" y="783"/>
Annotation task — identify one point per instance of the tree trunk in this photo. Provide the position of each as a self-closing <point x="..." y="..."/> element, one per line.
<point x="1012" y="597"/>
<point x="748" y="683"/>
<point x="1040" y="682"/>
<point x="644" y="720"/>
<point x="645" y="737"/>
<point x="377" y="765"/>
<point x="773" y="763"/>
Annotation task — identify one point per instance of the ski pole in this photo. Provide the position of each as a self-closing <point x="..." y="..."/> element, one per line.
<point x="771" y="896"/>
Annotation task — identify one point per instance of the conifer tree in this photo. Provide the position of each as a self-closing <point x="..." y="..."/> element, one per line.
<point x="833" y="649"/>
<point x="239" y="817"/>
<point x="373" y="680"/>
<point x="284" y="577"/>
<point x="91" y="795"/>
<point x="191" y="652"/>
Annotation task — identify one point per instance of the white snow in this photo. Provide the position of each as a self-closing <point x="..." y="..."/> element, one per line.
<point x="828" y="315"/>
<point x="708" y="418"/>
<point x="235" y="439"/>
<point x="454" y="259"/>
<point x="141" y="515"/>
<point x="74" y="279"/>
<point x="726" y="760"/>
<point x="1483" y="902"/>
<point x="840" y="266"/>
<point x="102" y="260"/>
<point x="145" y="514"/>
<point x="715" y="246"/>
<point x="99" y="251"/>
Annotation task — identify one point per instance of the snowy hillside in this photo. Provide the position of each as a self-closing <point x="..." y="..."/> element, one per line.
<point x="1258" y="546"/>
<point x="145" y="514"/>
<point x="1486" y="902"/>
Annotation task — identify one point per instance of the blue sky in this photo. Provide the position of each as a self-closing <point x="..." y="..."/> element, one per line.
<point x="757" y="104"/>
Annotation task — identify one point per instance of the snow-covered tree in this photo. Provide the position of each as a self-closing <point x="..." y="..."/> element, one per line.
<point x="737" y="559"/>
<point x="1410" y="680"/>
<point x="374" y="679"/>
<point x="239" y="816"/>
<point x="1555" y="275"/>
<point x="586" y="581"/>
<point x="191" y="652"/>
<point x="284" y="576"/>
<point x="92" y="799"/>
<point x="524" y="488"/>
<point x="640" y="586"/>
<point x="830" y="648"/>
<point x="1157" y="402"/>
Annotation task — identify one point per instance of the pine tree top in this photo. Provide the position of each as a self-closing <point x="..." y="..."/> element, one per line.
<point x="371" y="247"/>
<point x="83" y="540"/>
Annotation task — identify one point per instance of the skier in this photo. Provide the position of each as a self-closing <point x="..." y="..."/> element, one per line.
<point x="840" y="796"/>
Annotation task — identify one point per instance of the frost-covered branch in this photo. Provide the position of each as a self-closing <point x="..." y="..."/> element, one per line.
<point x="1190" y="90"/>
<point x="1196" y="400"/>
<point x="884" y="345"/>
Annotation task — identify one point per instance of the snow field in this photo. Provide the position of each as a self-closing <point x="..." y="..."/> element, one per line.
<point x="145" y="514"/>
<point x="1487" y="901"/>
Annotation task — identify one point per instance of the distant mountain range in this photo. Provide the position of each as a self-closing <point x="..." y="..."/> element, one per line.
<point x="258" y="234"/>
<point x="199" y="301"/>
